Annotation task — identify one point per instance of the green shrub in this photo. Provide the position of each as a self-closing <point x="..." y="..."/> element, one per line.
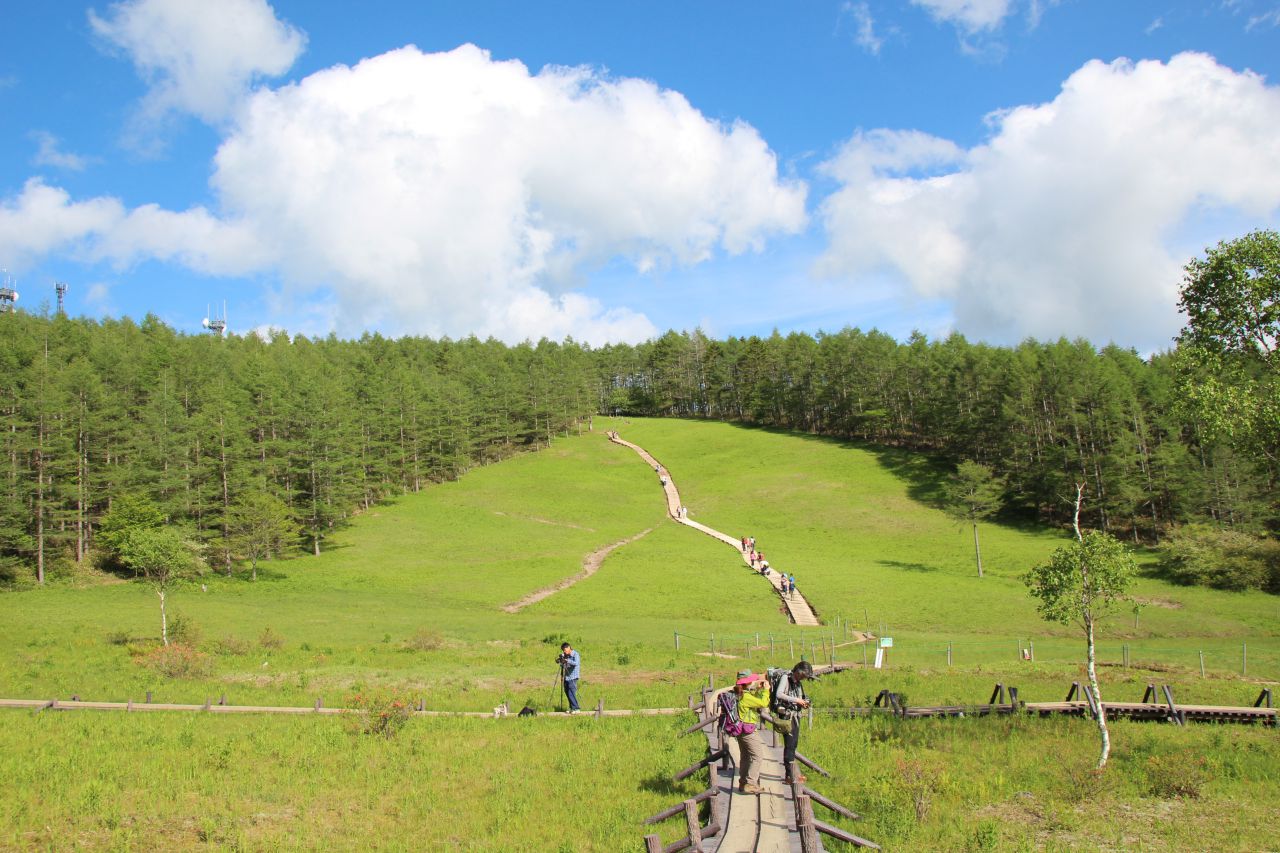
<point x="183" y="630"/>
<point x="1177" y="775"/>
<point x="1204" y="555"/>
<point x="269" y="639"/>
<point x="177" y="661"/>
<point x="231" y="646"/>
<point x="378" y="712"/>
<point x="425" y="640"/>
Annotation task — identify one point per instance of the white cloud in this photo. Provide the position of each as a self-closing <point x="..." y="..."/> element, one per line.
<point x="1062" y="222"/>
<point x="970" y="15"/>
<point x="1266" y="19"/>
<point x="44" y="219"/>
<point x="48" y="153"/>
<point x="449" y="194"/>
<point x="865" y="27"/>
<point x="199" y="57"/>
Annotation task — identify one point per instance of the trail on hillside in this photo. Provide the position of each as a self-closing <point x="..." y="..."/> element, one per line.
<point x="590" y="565"/>
<point x="797" y="606"/>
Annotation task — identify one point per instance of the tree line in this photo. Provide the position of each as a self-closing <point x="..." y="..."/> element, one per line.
<point x="198" y="425"/>
<point x="1043" y="415"/>
<point x="203" y="427"/>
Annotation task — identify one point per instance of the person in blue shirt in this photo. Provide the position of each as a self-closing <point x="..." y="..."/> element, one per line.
<point x="571" y="666"/>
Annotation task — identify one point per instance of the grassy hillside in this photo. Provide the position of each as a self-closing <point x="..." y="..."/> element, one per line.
<point x="409" y="599"/>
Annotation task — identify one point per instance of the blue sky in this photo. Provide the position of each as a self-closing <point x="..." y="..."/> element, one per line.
<point x="1002" y="168"/>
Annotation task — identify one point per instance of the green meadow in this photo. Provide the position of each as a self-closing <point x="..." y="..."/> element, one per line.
<point x="408" y="601"/>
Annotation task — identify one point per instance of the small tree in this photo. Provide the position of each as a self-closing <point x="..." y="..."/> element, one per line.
<point x="163" y="555"/>
<point x="129" y="513"/>
<point x="1082" y="583"/>
<point x="972" y="494"/>
<point x="260" y="525"/>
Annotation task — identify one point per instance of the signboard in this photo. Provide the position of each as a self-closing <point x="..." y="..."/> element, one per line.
<point x="879" y="658"/>
<point x="886" y="642"/>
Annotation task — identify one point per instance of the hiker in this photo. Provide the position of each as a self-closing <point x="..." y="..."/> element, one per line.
<point x="786" y="704"/>
<point x="753" y="559"/>
<point x="740" y="719"/>
<point x="744" y="544"/>
<point x="783" y="585"/>
<point x="571" y="668"/>
<point x="764" y="568"/>
<point x="751" y="540"/>
<point x="791" y="584"/>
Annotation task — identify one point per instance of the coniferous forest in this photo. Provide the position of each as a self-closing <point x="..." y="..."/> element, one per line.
<point x="1178" y="450"/>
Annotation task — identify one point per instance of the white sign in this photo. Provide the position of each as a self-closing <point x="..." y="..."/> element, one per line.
<point x="886" y="642"/>
<point x="879" y="657"/>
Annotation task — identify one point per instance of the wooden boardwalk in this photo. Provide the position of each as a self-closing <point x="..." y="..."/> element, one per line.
<point x="798" y="608"/>
<point x="214" y="708"/>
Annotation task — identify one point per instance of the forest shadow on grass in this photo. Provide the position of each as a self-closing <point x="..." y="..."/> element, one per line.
<point x="910" y="567"/>
<point x="925" y="474"/>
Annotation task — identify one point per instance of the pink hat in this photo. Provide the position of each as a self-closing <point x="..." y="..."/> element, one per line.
<point x="748" y="680"/>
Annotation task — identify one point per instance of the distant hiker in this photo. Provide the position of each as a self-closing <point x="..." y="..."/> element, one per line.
<point x="784" y="585"/>
<point x="791" y="583"/>
<point x="571" y="668"/>
<point x="786" y="704"/>
<point x="764" y="568"/>
<point x="744" y="544"/>
<point x="751" y="540"/>
<point x="740" y="718"/>
<point x="754" y="557"/>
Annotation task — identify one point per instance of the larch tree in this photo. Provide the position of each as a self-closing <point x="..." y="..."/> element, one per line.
<point x="974" y="493"/>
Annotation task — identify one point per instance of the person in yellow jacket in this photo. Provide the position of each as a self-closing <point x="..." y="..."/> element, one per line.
<point x="752" y="692"/>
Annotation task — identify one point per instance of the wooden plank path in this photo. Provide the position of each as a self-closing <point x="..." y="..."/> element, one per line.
<point x="798" y="608"/>
<point x="215" y="708"/>
<point x="753" y="822"/>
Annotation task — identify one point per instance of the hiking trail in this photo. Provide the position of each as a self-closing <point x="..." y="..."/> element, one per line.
<point x="797" y="606"/>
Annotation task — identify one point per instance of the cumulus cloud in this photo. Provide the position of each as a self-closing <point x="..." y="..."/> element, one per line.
<point x="199" y="57"/>
<point x="450" y="194"/>
<point x="1062" y="222"/>
<point x="43" y="219"/>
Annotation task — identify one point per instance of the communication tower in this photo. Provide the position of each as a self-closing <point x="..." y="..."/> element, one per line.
<point x="8" y="295"/>
<point x="61" y="287"/>
<point x="214" y="323"/>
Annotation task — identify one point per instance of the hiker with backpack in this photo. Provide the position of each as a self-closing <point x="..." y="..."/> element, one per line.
<point x="740" y="718"/>
<point x="786" y="705"/>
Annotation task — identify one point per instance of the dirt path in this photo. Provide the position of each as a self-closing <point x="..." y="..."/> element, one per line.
<point x="797" y="606"/>
<point x="589" y="567"/>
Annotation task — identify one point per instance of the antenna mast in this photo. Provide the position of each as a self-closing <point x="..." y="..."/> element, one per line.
<point x="8" y="295"/>
<point x="61" y="287"/>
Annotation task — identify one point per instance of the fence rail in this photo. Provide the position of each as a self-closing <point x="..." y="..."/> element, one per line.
<point x="1246" y="658"/>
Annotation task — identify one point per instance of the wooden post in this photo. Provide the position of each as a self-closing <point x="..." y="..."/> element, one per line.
<point x="810" y="715"/>
<point x="791" y="643"/>
<point x="1031" y="644"/>
<point x="652" y="844"/>
<point x="1202" y="663"/>
<point x="677" y="641"/>
<point x="711" y="645"/>
<point x="148" y="697"/>
<point x="948" y="652"/>
<point x="757" y="638"/>
<point x="771" y="645"/>
<point x="319" y="703"/>
<point x="600" y="707"/>
<point x="864" y="655"/>
<point x="693" y="825"/>
<point x="222" y="700"/>
<point x="1244" y="659"/>
<point x="804" y="824"/>
<point x="1125" y="650"/>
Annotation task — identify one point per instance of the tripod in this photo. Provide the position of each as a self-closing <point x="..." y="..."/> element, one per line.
<point x="557" y="686"/>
